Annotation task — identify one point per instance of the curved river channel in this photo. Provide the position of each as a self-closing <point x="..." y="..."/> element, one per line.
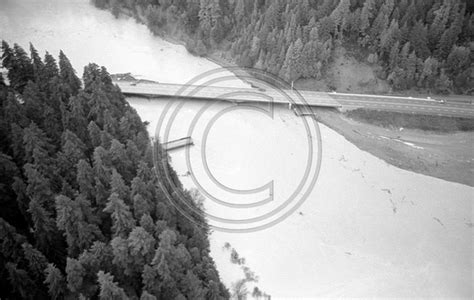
<point x="365" y="229"/>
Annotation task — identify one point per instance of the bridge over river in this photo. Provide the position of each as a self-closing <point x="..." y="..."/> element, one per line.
<point x="230" y="94"/>
<point x="311" y="98"/>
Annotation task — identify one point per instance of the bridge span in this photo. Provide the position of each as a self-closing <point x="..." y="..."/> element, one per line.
<point x="230" y="94"/>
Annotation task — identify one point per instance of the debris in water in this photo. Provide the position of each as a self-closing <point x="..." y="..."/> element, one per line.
<point x="394" y="208"/>
<point x="439" y="221"/>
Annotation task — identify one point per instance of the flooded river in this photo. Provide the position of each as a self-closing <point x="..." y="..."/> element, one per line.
<point x="366" y="228"/>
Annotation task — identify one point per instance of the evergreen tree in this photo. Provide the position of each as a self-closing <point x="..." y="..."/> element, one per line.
<point x="193" y="286"/>
<point x="293" y="66"/>
<point x="75" y="274"/>
<point x="366" y="15"/>
<point x="146" y="296"/>
<point x="21" y="70"/>
<point x="23" y="285"/>
<point x="73" y="217"/>
<point x="239" y="10"/>
<point x="37" y="262"/>
<point x="8" y="57"/>
<point x="388" y="38"/>
<point x="108" y="288"/>
<point x="118" y="186"/>
<point x="443" y="84"/>
<point x="68" y="76"/>
<point x="438" y="25"/>
<point x="38" y="65"/>
<point x="326" y="28"/>
<point x="429" y="73"/>
<point x="33" y="102"/>
<point x="73" y="150"/>
<point x="340" y="16"/>
<point x="85" y="179"/>
<point x="419" y="40"/>
<point x="381" y="22"/>
<point x="122" y="218"/>
<point x="458" y="60"/>
<point x="55" y="281"/>
<point x="94" y="134"/>
<point x="449" y="38"/>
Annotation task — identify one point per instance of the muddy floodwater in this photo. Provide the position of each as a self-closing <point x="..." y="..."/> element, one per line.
<point x="366" y="228"/>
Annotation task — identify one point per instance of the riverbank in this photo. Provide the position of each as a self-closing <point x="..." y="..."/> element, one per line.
<point x="446" y="156"/>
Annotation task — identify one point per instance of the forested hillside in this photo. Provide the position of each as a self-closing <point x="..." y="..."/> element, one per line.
<point x="425" y="45"/>
<point x="81" y="214"/>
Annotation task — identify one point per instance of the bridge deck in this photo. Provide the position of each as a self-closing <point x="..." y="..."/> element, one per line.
<point x="227" y="94"/>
